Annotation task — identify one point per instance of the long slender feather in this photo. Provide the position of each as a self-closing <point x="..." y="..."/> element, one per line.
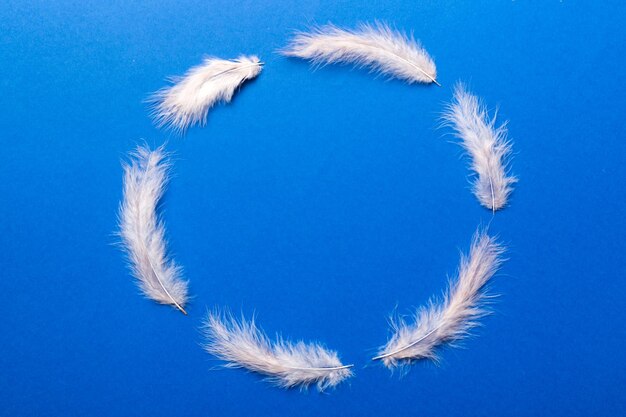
<point x="486" y="144"/>
<point x="454" y="316"/>
<point x="188" y="101"/>
<point x="377" y="47"/>
<point x="143" y="234"/>
<point x="241" y="344"/>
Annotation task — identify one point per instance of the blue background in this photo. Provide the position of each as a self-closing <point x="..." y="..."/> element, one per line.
<point x="319" y="200"/>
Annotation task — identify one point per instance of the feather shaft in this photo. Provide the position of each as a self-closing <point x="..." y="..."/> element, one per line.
<point x="378" y="47"/>
<point x="486" y="144"/>
<point x="143" y="234"/>
<point x="454" y="316"/>
<point x="241" y="344"/>
<point x="403" y="348"/>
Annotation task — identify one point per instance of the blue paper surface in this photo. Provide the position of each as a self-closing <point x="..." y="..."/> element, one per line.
<point x="320" y="200"/>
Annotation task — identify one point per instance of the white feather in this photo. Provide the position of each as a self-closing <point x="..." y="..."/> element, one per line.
<point x="378" y="47"/>
<point x="143" y="234"/>
<point x="452" y="318"/>
<point x="188" y="101"/>
<point x="243" y="345"/>
<point x="486" y="144"/>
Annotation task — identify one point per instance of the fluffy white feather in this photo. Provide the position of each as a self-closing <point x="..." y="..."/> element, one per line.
<point x="241" y="344"/>
<point x="377" y="47"/>
<point x="487" y="146"/>
<point x="188" y="101"/>
<point x="143" y="234"/>
<point x="450" y="319"/>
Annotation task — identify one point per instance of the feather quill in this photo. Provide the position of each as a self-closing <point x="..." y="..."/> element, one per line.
<point x="189" y="100"/>
<point x="143" y="234"/>
<point x="454" y="316"/>
<point x="378" y="47"/>
<point x="241" y="344"/>
<point x="486" y="144"/>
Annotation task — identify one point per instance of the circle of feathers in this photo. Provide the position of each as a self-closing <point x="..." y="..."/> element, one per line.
<point x="239" y="342"/>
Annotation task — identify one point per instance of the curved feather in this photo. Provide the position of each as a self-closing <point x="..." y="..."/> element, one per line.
<point x="486" y="144"/>
<point x="188" y="101"/>
<point x="143" y="234"/>
<point x="378" y="47"/>
<point x="241" y="344"/>
<point x="454" y="316"/>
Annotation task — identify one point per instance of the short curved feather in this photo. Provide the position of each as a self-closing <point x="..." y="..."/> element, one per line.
<point x="189" y="100"/>
<point x="143" y="234"/>
<point x="378" y="47"/>
<point x="486" y="144"/>
<point x="241" y="344"/>
<point x="451" y="319"/>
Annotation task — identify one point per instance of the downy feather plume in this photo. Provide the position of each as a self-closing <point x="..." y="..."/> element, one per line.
<point x="241" y="344"/>
<point x="486" y="144"/>
<point x="188" y="101"/>
<point x="378" y="47"/>
<point x="451" y="318"/>
<point x="143" y="234"/>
